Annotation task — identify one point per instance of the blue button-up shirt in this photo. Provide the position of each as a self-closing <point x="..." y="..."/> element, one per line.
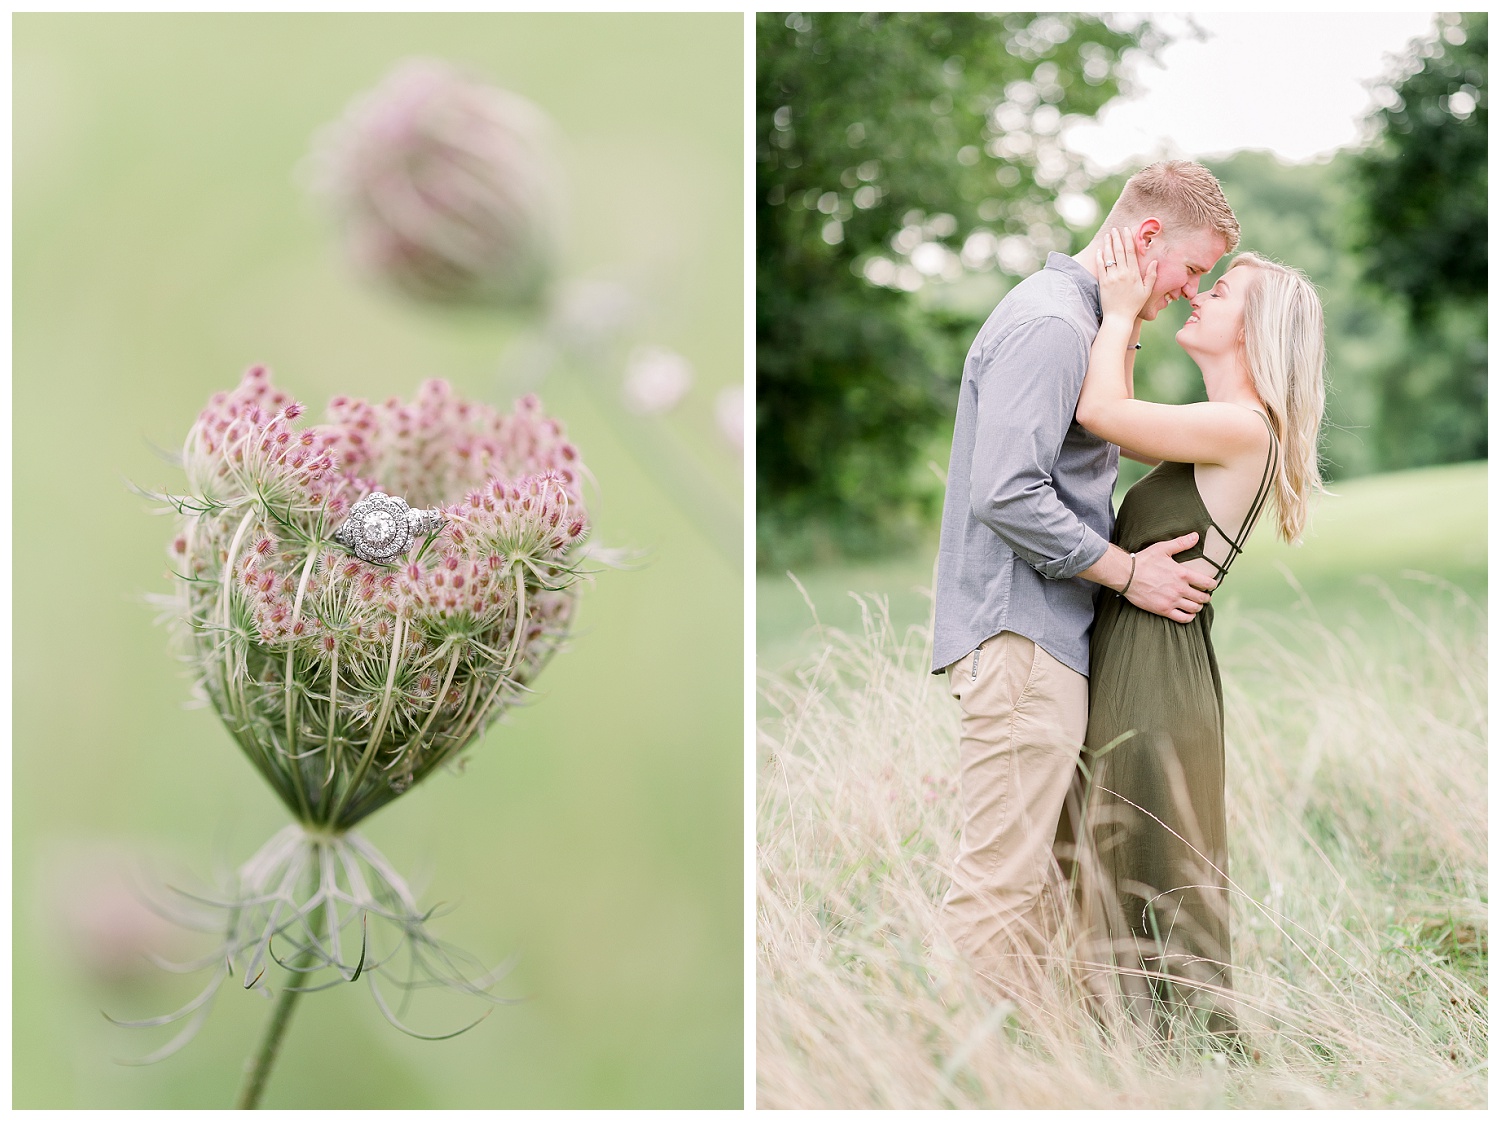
<point x="1028" y="505"/>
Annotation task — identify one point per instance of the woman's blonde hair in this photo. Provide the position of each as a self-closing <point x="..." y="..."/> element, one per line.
<point x="1284" y="350"/>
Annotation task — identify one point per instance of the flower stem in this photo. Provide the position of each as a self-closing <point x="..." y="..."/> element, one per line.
<point x="258" y="1067"/>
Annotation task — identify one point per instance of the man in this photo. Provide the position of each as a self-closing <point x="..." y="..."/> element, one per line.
<point x="1025" y="548"/>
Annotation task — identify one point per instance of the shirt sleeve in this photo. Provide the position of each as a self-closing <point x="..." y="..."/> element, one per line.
<point x="1028" y="385"/>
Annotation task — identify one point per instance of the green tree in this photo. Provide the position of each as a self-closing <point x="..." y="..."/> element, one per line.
<point x="893" y="152"/>
<point x="1423" y="205"/>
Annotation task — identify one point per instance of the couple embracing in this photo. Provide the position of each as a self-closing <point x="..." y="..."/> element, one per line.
<point x="1078" y="644"/>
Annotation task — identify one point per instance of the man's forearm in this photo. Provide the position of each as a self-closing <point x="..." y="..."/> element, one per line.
<point x="1112" y="570"/>
<point x="1153" y="580"/>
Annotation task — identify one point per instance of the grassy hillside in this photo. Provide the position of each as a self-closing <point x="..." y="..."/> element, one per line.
<point x="1356" y="729"/>
<point x="1383" y="527"/>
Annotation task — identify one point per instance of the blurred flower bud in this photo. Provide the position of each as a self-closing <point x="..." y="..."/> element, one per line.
<point x="729" y="411"/>
<point x="444" y="186"/>
<point x="589" y="316"/>
<point x="98" y="901"/>
<point x="655" y="379"/>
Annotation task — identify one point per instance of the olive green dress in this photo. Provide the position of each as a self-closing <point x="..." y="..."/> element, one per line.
<point x="1154" y="885"/>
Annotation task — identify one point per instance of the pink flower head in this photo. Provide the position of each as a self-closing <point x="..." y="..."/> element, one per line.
<point x="316" y="658"/>
<point x="440" y="446"/>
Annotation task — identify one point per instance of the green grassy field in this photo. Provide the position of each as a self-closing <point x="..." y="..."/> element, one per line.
<point x="161" y="245"/>
<point x="1356" y="720"/>
<point x="1385" y="528"/>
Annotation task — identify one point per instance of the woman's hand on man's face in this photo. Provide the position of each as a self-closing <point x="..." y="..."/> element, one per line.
<point x="1123" y="288"/>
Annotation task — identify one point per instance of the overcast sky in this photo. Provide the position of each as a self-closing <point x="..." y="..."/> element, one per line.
<point x="1293" y="83"/>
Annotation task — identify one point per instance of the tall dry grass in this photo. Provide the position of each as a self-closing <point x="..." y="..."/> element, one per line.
<point x="1357" y="827"/>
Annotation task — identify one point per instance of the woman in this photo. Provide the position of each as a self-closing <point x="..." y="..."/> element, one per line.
<point x="1154" y="883"/>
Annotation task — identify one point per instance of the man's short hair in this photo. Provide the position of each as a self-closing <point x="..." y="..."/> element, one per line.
<point x="1184" y="195"/>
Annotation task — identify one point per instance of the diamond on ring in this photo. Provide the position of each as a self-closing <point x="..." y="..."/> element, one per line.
<point x="1109" y="264"/>
<point x="381" y="527"/>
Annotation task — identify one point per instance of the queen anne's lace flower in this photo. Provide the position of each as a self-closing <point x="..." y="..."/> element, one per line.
<point x="346" y="682"/>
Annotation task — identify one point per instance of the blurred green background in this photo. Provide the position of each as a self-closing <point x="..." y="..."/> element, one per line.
<point x="161" y="245"/>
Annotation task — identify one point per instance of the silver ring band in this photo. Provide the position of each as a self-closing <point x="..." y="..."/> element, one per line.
<point x="382" y="527"/>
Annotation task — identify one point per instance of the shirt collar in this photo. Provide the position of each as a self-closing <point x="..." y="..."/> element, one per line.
<point x="1087" y="283"/>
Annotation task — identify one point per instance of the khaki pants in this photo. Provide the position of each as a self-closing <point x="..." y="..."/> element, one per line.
<point x="1024" y="719"/>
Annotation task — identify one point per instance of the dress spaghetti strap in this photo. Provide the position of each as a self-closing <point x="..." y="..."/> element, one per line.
<point x="1262" y="495"/>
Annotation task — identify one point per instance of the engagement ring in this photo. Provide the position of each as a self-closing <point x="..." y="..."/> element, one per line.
<point x="381" y="527"/>
<point x="1109" y="264"/>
